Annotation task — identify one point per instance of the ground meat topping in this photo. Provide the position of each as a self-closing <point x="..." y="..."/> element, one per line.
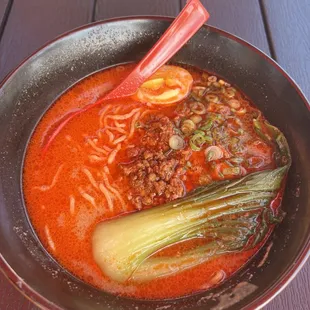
<point x="155" y="174"/>
<point x="157" y="131"/>
<point x="154" y="178"/>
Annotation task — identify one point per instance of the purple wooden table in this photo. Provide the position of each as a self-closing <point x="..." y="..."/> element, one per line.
<point x="281" y="28"/>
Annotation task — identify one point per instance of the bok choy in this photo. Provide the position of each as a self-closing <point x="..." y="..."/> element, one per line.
<point x="273" y="136"/>
<point x="231" y="215"/>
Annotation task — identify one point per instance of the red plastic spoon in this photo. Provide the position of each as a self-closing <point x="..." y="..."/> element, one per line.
<point x="188" y="22"/>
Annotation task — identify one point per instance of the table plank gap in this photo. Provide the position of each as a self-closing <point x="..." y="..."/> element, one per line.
<point x="5" y="8"/>
<point x="267" y="29"/>
<point x="93" y="15"/>
<point x="239" y="17"/>
<point x="32" y="23"/>
<point x="117" y="8"/>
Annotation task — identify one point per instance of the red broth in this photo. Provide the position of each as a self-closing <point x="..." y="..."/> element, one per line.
<point x="65" y="202"/>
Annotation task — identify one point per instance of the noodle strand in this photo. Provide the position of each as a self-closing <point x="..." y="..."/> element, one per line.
<point x="95" y="158"/>
<point x="111" y="136"/>
<point x="125" y="116"/>
<point x="107" y="195"/>
<point x="90" y="178"/>
<point x="102" y="114"/>
<point x="49" y="238"/>
<point x="72" y="204"/>
<point x="95" y="147"/>
<point x="45" y="188"/>
<point x="120" y="139"/>
<point x="87" y="197"/>
<point x="113" y="154"/>
<point x="133" y="124"/>
<point x="120" y="130"/>
<point x="117" y="124"/>
<point x="113" y="190"/>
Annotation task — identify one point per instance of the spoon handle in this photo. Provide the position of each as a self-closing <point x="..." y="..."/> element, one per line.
<point x="191" y="18"/>
<point x="188" y="22"/>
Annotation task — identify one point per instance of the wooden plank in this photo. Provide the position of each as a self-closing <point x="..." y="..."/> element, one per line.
<point x="289" y="32"/>
<point x="117" y="8"/>
<point x="296" y="295"/>
<point x="289" y="29"/>
<point x="239" y="17"/>
<point x="32" y="23"/>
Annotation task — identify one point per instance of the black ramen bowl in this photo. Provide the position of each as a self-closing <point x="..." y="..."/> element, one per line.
<point x="31" y="89"/>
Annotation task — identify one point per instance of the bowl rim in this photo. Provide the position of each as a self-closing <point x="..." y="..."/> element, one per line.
<point x="42" y="302"/>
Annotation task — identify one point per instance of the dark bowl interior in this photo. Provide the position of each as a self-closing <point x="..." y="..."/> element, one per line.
<point x="29" y="91"/>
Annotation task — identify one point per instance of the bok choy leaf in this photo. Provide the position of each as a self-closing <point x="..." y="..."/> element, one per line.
<point x="231" y="215"/>
<point x="273" y="136"/>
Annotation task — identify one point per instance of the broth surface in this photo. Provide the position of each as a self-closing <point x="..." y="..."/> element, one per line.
<point x="118" y="148"/>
